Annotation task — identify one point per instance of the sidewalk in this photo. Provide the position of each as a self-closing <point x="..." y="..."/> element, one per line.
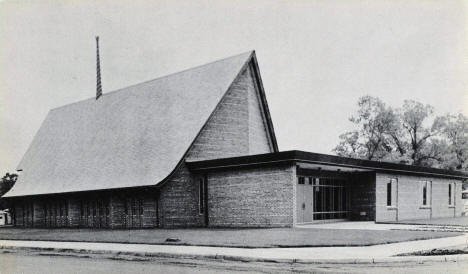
<point x="365" y="254"/>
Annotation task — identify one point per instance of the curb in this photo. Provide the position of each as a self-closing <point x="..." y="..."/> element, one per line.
<point x="124" y="255"/>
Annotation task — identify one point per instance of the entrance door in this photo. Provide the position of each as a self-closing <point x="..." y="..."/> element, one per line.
<point x="304" y="200"/>
<point x="308" y="199"/>
<point x="300" y="201"/>
<point x="331" y="199"/>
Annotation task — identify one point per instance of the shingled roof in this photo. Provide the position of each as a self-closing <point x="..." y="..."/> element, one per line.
<point x="135" y="136"/>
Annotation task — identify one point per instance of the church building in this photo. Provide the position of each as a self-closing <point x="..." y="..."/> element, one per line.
<point x="198" y="149"/>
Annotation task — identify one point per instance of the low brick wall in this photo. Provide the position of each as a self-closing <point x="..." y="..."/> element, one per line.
<point x="251" y="197"/>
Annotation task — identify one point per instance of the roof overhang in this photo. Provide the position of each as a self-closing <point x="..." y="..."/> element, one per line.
<point x="322" y="161"/>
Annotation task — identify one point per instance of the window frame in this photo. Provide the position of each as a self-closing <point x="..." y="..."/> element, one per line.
<point x="451" y="193"/>
<point x="426" y="194"/>
<point x="389" y="193"/>
<point x="392" y="195"/>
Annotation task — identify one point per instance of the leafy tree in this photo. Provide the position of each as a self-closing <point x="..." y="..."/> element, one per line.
<point x="374" y="121"/>
<point x="413" y="116"/>
<point x="7" y="182"/>
<point x="408" y="135"/>
<point x="455" y="130"/>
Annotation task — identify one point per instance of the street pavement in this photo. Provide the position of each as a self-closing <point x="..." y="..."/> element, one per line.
<point x="38" y="263"/>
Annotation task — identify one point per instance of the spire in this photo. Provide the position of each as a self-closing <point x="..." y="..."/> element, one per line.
<point x="98" y="71"/>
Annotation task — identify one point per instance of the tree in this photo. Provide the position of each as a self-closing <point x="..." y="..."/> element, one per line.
<point x="374" y="121"/>
<point x="455" y="130"/>
<point x="349" y="145"/>
<point x="408" y="135"/>
<point x="7" y="182"/>
<point x="413" y="116"/>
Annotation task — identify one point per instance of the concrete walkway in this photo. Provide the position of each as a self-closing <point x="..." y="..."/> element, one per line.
<point x="315" y="254"/>
<point x="371" y="225"/>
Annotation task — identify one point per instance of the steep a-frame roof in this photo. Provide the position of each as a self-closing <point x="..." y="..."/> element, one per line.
<point x="135" y="136"/>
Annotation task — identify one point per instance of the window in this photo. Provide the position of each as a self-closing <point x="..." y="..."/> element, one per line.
<point x="392" y="198"/>
<point x="301" y="180"/>
<point x="389" y="193"/>
<point x="451" y="194"/>
<point x="140" y="206"/>
<point x="426" y="193"/>
<point x="201" y="193"/>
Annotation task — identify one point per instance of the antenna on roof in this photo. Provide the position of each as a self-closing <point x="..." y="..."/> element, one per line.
<point x="98" y="71"/>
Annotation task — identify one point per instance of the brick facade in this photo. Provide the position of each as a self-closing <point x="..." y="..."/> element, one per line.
<point x="251" y="197"/>
<point x="236" y="128"/>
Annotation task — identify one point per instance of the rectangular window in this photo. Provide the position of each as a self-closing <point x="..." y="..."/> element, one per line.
<point x="389" y="193"/>
<point x="450" y="194"/>
<point x="201" y="193"/>
<point x="424" y="190"/>
<point x="301" y="180"/>
<point x="140" y="206"/>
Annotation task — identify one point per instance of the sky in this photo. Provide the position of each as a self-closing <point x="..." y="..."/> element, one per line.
<point x="316" y="58"/>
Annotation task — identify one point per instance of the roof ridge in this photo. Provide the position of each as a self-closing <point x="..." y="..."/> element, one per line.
<point x="157" y="78"/>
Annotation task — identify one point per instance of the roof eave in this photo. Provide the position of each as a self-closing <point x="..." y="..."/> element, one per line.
<point x="321" y="159"/>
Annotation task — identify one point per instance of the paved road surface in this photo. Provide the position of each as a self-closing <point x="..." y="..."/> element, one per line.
<point x="34" y="263"/>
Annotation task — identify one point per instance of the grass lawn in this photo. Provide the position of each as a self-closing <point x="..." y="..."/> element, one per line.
<point x="275" y="237"/>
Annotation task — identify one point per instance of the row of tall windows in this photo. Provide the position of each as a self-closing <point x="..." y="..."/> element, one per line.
<point x="94" y="213"/>
<point x="133" y="208"/>
<point x="56" y="213"/>
<point x="329" y="197"/>
<point x="425" y="193"/>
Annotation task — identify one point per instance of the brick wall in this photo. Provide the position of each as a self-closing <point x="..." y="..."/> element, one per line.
<point x="236" y="128"/>
<point x="178" y="202"/>
<point x="409" y="198"/>
<point x="253" y="197"/>
<point x="259" y="141"/>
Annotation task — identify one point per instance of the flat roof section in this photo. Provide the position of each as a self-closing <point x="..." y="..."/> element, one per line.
<point x="322" y="159"/>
